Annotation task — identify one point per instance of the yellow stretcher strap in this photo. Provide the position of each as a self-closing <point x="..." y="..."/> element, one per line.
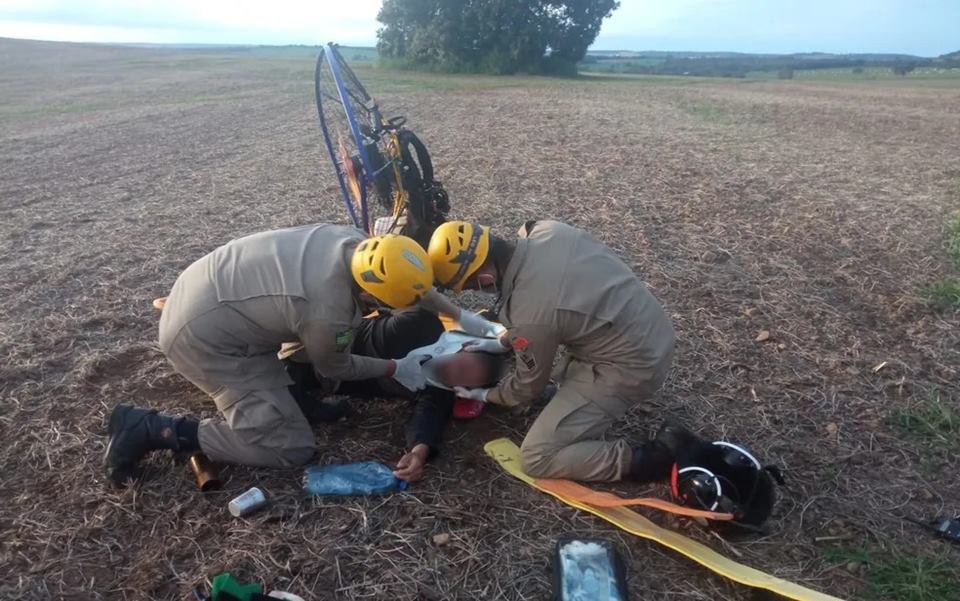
<point x="577" y="492"/>
<point x="507" y="455"/>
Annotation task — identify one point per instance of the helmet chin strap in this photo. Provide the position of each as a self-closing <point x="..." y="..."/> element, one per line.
<point x="482" y="287"/>
<point x="466" y="256"/>
<point x="366" y="302"/>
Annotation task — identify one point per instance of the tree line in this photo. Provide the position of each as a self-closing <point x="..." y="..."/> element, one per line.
<point x="490" y="36"/>
<point x="741" y="65"/>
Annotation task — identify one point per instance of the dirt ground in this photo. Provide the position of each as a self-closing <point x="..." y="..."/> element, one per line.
<point x="811" y="211"/>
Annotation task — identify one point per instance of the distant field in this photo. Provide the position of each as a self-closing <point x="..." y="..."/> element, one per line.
<point x="792" y="229"/>
<point x="630" y="65"/>
<point x="866" y="74"/>
<point x="351" y="53"/>
<point x="368" y="56"/>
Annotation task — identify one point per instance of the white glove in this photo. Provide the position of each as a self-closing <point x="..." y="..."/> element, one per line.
<point x="485" y="345"/>
<point x="473" y="324"/>
<point x="497" y="330"/>
<point x="474" y="394"/>
<point x="409" y="373"/>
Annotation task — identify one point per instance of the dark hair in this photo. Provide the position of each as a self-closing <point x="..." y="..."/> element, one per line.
<point x="494" y="365"/>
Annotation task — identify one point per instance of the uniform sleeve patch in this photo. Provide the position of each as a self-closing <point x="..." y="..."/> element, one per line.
<point x="528" y="360"/>
<point x="344" y="339"/>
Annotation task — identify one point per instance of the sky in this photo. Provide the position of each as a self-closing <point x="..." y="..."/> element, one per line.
<point x="921" y="27"/>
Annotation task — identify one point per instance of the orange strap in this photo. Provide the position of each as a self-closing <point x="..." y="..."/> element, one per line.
<point x="448" y="323"/>
<point x="598" y="498"/>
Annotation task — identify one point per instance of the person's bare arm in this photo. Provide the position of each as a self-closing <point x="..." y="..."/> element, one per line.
<point x="410" y="467"/>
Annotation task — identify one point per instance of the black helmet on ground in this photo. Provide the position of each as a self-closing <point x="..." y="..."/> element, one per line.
<point x="725" y="478"/>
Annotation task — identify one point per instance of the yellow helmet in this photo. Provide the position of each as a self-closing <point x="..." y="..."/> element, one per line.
<point x="394" y="269"/>
<point x="457" y="250"/>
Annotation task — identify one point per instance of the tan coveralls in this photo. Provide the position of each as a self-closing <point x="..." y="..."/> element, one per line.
<point x="229" y="313"/>
<point x="564" y="287"/>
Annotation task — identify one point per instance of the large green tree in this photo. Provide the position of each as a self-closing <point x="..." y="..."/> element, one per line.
<point x="498" y="36"/>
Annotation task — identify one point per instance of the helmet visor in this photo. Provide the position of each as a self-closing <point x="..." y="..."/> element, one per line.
<point x="699" y="487"/>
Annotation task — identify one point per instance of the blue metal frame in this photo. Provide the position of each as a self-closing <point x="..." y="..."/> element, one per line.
<point x="358" y="138"/>
<point x="326" y="139"/>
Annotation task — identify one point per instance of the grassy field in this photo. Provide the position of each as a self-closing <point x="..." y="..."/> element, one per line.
<point x="822" y="213"/>
<point x="885" y="74"/>
<point x="766" y="72"/>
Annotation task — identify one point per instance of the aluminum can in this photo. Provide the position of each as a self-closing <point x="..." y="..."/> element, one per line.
<point x="247" y="503"/>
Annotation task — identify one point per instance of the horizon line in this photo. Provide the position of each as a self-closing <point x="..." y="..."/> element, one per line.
<point x="373" y="47"/>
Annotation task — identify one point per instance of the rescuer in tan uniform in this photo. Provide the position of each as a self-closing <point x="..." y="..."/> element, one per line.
<point x="558" y="285"/>
<point x="229" y="313"/>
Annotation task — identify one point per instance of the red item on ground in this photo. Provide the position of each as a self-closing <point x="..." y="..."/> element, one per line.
<point x="467" y="408"/>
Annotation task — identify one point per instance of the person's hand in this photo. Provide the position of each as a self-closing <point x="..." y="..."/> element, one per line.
<point x="485" y="345"/>
<point x="496" y="330"/>
<point x="409" y="373"/>
<point x="473" y="324"/>
<point x="474" y="394"/>
<point x="410" y="466"/>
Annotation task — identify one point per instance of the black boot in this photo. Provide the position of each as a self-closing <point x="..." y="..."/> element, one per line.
<point x="134" y="432"/>
<point x="675" y="437"/>
<point x="324" y="410"/>
<point x="653" y="459"/>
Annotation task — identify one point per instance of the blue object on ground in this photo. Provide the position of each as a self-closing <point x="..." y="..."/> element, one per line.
<point x="356" y="479"/>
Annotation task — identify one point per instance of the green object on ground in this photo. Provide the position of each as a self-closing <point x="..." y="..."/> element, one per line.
<point x="225" y="586"/>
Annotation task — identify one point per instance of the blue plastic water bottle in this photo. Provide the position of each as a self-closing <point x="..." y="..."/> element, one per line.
<point x="354" y="479"/>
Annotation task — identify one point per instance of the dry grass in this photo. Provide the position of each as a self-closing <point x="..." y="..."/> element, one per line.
<point x="808" y="210"/>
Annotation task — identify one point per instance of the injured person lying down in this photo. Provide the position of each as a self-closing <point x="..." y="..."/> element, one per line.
<point x="394" y="335"/>
<point x="451" y="365"/>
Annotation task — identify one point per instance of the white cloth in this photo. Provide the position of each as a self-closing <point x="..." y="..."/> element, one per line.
<point x="449" y="343"/>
